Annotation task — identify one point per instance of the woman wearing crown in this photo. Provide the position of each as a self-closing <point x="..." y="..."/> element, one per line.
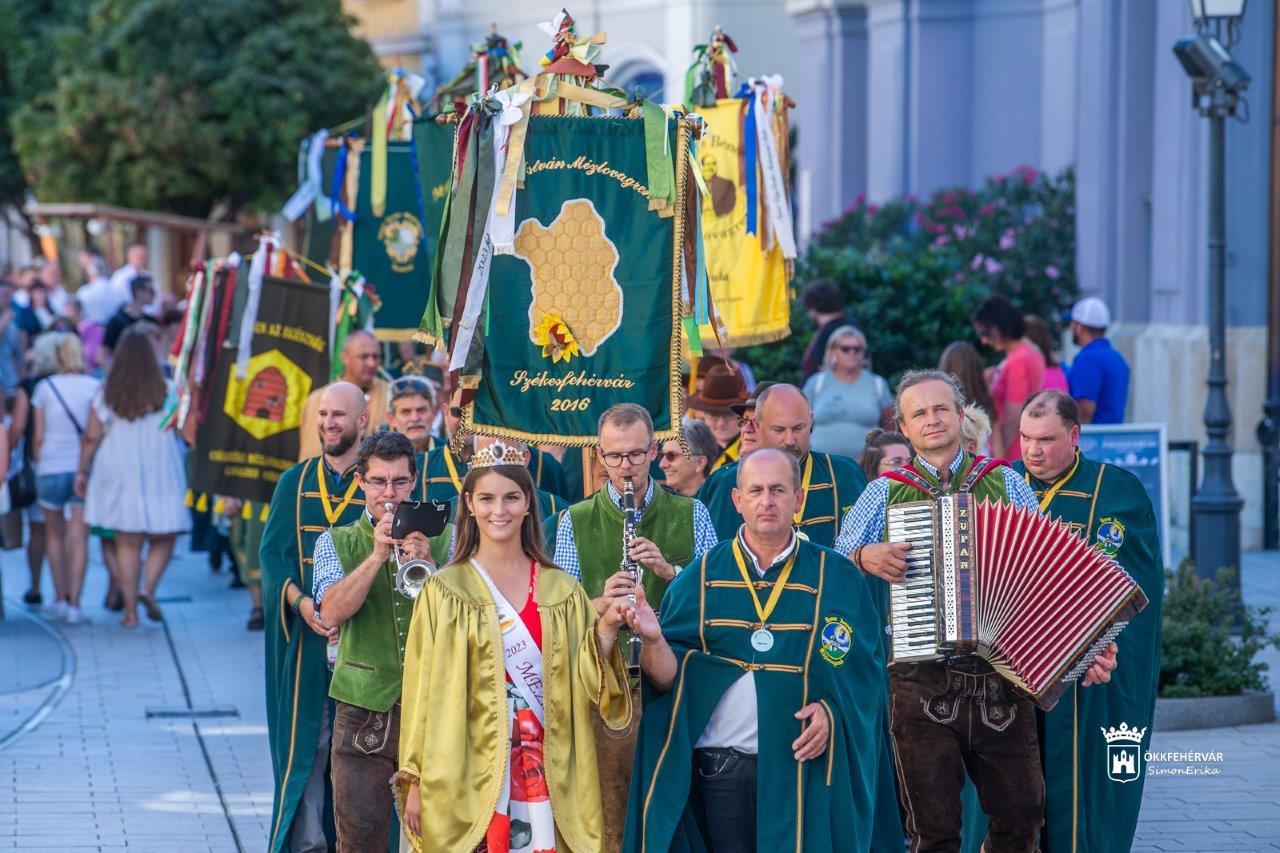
<point x="506" y="660"/>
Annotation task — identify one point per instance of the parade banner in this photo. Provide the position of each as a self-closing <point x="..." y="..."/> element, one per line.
<point x="586" y="311"/>
<point x="750" y="285"/>
<point x="250" y="434"/>
<point x="394" y="252"/>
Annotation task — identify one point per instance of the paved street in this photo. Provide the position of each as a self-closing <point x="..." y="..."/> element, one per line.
<point x="91" y="758"/>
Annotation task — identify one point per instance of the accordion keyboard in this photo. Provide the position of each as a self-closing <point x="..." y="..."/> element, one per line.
<point x="913" y="615"/>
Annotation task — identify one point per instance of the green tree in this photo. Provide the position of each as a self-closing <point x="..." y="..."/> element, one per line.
<point x="189" y="105"/>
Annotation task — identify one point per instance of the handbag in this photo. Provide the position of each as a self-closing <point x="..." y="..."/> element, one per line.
<point x="22" y="485"/>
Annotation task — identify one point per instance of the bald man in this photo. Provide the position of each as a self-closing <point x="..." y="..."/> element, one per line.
<point x="830" y="484"/>
<point x="361" y="357"/>
<point x="311" y="497"/>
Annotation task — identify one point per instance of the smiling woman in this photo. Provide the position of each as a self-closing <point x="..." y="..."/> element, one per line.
<point x="502" y="597"/>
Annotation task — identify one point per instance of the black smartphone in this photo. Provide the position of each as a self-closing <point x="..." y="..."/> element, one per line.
<point x="425" y="517"/>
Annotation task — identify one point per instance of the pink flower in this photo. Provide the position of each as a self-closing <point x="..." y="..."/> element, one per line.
<point x="859" y="200"/>
<point x="910" y="198"/>
<point x="987" y="209"/>
<point x="873" y="209"/>
<point x="960" y="231"/>
<point x="1028" y="174"/>
<point x="976" y="262"/>
<point x="1053" y="273"/>
<point x="940" y="241"/>
<point x="994" y="266"/>
<point x="1006" y="240"/>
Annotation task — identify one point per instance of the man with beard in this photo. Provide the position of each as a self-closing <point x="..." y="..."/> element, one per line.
<point x="361" y="359"/>
<point x="1099" y="377"/>
<point x="310" y="497"/>
<point x="830" y="483"/>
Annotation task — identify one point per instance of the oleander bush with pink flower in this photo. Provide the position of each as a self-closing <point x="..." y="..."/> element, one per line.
<point x="913" y="269"/>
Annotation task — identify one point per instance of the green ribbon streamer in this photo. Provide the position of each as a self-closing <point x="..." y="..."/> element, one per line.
<point x="692" y="336"/>
<point x="378" y="157"/>
<point x="658" y="160"/>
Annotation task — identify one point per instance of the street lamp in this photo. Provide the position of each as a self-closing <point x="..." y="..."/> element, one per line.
<point x="1217" y="82"/>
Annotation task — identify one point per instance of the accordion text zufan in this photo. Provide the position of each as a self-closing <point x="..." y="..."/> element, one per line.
<point x="1006" y="583"/>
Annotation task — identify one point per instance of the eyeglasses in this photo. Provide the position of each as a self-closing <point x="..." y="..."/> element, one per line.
<point x="672" y="455"/>
<point x="635" y="457"/>
<point x="743" y="421"/>
<point x="851" y="348"/>
<point x="380" y="483"/>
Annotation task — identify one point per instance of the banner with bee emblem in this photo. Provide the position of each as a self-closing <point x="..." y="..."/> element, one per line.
<point x="250" y="432"/>
<point x="395" y="252"/>
<point x="583" y="308"/>
<point x="750" y="284"/>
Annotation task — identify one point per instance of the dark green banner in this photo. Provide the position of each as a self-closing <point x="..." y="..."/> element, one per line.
<point x="395" y="253"/>
<point x="584" y="314"/>
<point x="250" y="433"/>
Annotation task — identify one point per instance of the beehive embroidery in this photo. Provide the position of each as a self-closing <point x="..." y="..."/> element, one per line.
<point x="572" y="263"/>
<point x="266" y="395"/>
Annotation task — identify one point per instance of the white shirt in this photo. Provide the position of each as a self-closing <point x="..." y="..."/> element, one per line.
<point x="734" y="724"/>
<point x="60" y="444"/>
<point x="122" y="288"/>
<point x="99" y="300"/>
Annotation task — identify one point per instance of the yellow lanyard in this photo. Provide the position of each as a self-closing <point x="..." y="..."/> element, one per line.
<point x="453" y="471"/>
<point x="330" y="512"/>
<point x="1054" y="489"/>
<point x="804" y="490"/>
<point x="767" y="610"/>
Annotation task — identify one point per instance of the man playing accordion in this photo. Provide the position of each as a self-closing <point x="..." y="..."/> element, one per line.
<point x="952" y="716"/>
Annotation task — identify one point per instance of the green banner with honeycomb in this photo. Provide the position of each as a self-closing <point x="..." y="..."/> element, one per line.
<point x="585" y="312"/>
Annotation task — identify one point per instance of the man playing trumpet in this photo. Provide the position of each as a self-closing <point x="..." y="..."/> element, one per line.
<point x="355" y="569"/>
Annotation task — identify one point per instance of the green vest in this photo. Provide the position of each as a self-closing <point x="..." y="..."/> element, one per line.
<point x="371" y="648"/>
<point x="597" y="534"/>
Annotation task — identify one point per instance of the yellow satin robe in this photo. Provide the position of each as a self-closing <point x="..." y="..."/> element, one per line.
<point x="454" y="732"/>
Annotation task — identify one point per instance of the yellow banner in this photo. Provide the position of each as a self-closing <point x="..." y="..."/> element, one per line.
<point x="750" y="287"/>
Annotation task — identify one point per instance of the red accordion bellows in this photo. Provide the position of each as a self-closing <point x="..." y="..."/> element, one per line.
<point x="1015" y="587"/>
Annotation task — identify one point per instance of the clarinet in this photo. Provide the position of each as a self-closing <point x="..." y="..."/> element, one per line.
<point x="631" y="566"/>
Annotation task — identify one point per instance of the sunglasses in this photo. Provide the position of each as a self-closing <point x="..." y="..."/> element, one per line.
<point x="672" y="455"/>
<point x="851" y="348"/>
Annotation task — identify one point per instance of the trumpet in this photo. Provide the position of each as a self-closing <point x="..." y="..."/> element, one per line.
<point x="411" y="575"/>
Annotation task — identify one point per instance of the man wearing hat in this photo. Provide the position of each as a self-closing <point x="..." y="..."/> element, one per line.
<point x="721" y="389"/>
<point x="1099" y="377"/>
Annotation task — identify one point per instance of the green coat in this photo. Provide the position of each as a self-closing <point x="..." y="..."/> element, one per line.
<point x="827" y="650"/>
<point x="297" y="681"/>
<point x="834" y="486"/>
<point x="1108" y="506"/>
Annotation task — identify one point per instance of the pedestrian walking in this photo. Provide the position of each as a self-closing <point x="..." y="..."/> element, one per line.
<point x="1099" y="377"/>
<point x="847" y="399"/>
<point x="60" y="412"/>
<point x="131" y="472"/>
<point x="999" y="325"/>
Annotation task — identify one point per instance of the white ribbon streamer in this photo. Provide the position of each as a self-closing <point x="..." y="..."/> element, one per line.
<point x="257" y="271"/>
<point x="777" y="210"/>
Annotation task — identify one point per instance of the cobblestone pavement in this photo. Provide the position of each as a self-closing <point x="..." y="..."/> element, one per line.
<point x="91" y="757"/>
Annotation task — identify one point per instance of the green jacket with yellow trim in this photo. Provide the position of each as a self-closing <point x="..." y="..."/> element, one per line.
<point x="826" y="649"/>
<point x="834" y="486"/>
<point x="297" y="670"/>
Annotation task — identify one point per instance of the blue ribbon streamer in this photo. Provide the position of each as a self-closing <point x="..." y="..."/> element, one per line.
<point x="335" y="192"/>
<point x="749" y="156"/>
<point x="702" y="287"/>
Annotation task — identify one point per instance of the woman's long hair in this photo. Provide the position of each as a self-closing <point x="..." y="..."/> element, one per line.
<point x="962" y="361"/>
<point x="1039" y="333"/>
<point x="467" y="530"/>
<point x="135" y="387"/>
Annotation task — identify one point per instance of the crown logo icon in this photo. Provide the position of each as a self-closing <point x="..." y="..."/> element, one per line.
<point x="1123" y="734"/>
<point x="498" y="453"/>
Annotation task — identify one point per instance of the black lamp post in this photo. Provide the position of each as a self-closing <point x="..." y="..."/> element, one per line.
<point x="1217" y="82"/>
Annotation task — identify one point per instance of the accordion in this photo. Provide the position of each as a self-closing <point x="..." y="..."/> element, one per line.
<point x="1015" y="587"/>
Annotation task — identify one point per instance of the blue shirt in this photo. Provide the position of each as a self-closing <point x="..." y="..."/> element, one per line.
<point x="863" y="524"/>
<point x="1101" y="374"/>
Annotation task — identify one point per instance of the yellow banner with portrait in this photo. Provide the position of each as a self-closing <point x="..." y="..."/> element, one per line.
<point x="749" y="275"/>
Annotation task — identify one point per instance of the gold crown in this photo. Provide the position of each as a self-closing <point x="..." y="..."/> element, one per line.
<point x="498" y="453"/>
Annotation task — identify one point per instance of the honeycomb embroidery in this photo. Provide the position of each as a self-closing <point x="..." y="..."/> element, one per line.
<point x="572" y="263"/>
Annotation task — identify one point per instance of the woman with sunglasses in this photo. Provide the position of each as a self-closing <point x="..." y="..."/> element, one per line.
<point x="486" y="764"/>
<point x="847" y="399"/>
